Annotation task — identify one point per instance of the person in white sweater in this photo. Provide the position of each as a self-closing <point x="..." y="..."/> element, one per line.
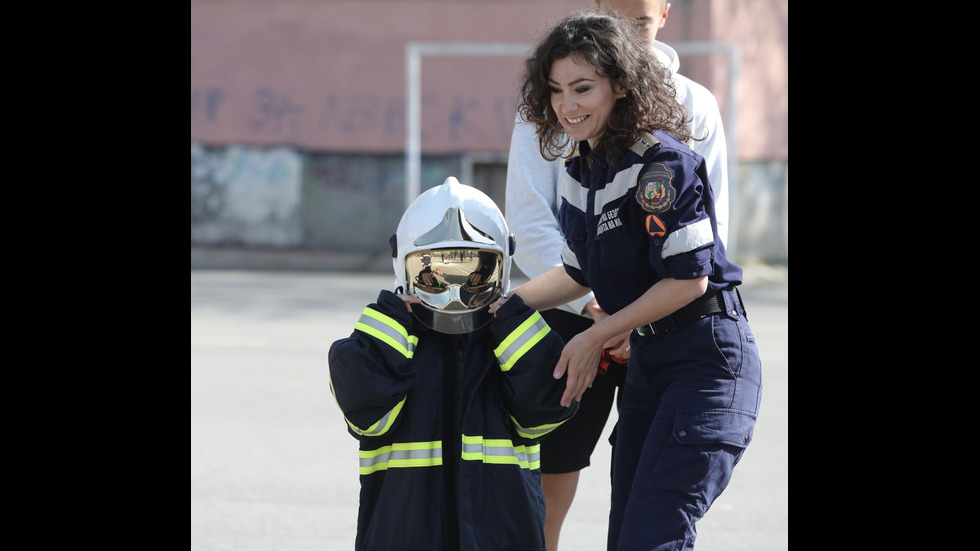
<point x="531" y="202"/>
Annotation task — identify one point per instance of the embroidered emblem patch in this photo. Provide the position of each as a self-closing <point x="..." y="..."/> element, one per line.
<point x="654" y="191"/>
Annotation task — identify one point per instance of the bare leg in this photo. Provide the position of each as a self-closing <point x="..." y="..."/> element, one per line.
<point x="559" y="491"/>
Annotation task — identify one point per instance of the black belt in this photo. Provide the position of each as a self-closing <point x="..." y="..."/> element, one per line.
<point x="697" y="309"/>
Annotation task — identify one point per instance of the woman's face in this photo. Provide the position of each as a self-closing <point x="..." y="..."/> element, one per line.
<point x="581" y="98"/>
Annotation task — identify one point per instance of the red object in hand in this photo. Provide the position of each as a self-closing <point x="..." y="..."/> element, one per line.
<point x="607" y="359"/>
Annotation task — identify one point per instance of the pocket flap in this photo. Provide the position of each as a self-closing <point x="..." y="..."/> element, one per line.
<point x="706" y="426"/>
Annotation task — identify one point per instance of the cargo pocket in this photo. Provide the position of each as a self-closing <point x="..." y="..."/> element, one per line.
<point x="714" y="426"/>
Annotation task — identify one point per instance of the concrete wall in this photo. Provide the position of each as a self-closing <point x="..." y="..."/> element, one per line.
<point x="278" y="198"/>
<point x="243" y="196"/>
<point x="329" y="75"/>
<point x="298" y="126"/>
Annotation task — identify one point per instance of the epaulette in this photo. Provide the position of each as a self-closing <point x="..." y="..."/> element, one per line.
<point x="572" y="153"/>
<point x="645" y="142"/>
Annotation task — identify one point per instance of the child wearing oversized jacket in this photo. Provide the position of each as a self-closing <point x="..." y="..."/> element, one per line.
<point x="448" y="402"/>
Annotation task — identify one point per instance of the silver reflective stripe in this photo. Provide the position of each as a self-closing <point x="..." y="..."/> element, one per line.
<point x="521" y="340"/>
<point x="577" y="195"/>
<point x="573" y="192"/>
<point x="491" y="453"/>
<point x="568" y="256"/>
<point x="387" y="330"/>
<point x="401" y="455"/>
<point x="688" y="238"/>
<point x="615" y="190"/>
<point x="501" y="451"/>
<point x="533" y="456"/>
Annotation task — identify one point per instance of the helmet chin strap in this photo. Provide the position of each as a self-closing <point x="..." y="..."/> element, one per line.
<point x="452" y="323"/>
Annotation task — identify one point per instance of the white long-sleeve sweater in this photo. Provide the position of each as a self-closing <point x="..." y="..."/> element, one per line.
<point x="532" y="182"/>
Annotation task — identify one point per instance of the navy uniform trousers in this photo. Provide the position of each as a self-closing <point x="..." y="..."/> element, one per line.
<point x="687" y="415"/>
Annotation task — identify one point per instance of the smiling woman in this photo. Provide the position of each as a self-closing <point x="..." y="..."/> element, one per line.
<point x="639" y="229"/>
<point x="569" y="75"/>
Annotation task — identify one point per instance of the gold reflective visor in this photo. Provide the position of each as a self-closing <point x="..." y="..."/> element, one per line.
<point x="455" y="279"/>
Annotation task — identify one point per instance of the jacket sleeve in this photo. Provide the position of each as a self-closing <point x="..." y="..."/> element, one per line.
<point x="527" y="350"/>
<point x="371" y="371"/>
<point x="688" y="248"/>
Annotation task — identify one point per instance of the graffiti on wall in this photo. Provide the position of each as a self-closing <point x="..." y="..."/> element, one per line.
<point x="356" y="201"/>
<point x="364" y="122"/>
<point x="245" y="196"/>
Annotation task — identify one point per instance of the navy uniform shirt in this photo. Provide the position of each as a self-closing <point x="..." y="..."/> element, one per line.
<point x="652" y="216"/>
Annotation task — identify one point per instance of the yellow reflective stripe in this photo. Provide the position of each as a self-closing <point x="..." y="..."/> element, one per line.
<point x="535" y="432"/>
<point x="401" y="455"/>
<point x="429" y="454"/>
<point x="387" y="330"/>
<point x="501" y="452"/>
<point x="382" y="425"/>
<point x="520" y="341"/>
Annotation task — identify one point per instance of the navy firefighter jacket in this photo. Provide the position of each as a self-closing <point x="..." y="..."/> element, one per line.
<point x="649" y="217"/>
<point x="449" y="427"/>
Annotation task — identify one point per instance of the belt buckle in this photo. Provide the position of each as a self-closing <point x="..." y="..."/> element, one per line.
<point x="646" y="330"/>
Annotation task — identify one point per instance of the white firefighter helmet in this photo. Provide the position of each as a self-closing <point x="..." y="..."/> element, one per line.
<point x="452" y="250"/>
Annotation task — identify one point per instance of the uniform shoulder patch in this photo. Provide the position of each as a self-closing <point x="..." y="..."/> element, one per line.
<point x="646" y="141"/>
<point x="654" y="190"/>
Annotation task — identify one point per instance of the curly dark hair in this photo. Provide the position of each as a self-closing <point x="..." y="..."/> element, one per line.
<point x="616" y="50"/>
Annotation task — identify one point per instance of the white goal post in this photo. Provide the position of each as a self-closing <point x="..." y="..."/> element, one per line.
<point x="413" y="102"/>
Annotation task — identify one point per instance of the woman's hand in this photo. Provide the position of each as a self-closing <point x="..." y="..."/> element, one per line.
<point x="497" y="304"/>
<point x="409" y="301"/>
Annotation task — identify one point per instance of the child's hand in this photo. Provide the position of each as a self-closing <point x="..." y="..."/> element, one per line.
<point x="409" y="301"/>
<point x="618" y="346"/>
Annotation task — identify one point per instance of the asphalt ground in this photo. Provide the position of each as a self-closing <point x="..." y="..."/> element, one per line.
<point x="273" y="467"/>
